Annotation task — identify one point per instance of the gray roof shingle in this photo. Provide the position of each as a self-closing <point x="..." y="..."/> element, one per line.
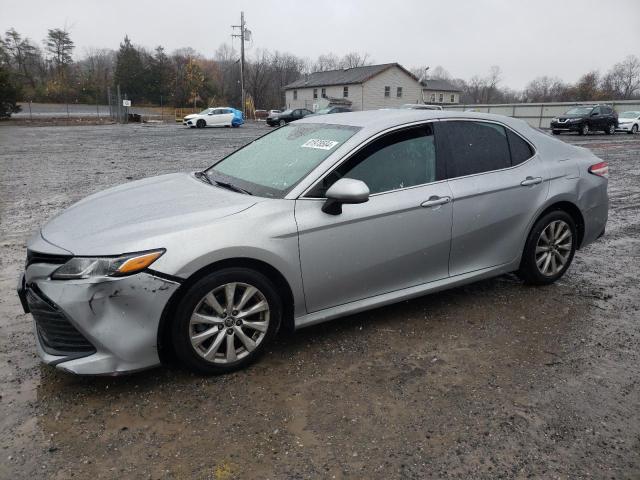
<point x="346" y="76"/>
<point x="441" y="85"/>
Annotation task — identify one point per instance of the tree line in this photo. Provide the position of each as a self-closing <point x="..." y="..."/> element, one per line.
<point x="51" y="73"/>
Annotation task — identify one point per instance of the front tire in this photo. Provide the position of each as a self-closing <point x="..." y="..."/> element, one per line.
<point x="225" y="321"/>
<point x="549" y="249"/>
<point x="282" y="123"/>
<point x="201" y="123"/>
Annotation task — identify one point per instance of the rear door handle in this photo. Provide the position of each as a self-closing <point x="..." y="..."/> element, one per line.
<point x="531" y="181"/>
<point x="435" y="201"/>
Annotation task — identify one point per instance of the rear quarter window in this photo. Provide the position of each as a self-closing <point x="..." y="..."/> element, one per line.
<point x="521" y="151"/>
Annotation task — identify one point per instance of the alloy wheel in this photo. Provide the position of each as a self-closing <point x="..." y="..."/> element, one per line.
<point x="282" y="123"/>
<point x="612" y="129"/>
<point x="229" y="323"/>
<point x="585" y="129"/>
<point x="634" y="129"/>
<point x="553" y="249"/>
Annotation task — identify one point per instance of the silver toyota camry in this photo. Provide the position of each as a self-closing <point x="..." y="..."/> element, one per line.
<point x="324" y="217"/>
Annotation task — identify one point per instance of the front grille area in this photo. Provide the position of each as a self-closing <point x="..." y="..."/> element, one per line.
<point x="37" y="257"/>
<point x="57" y="335"/>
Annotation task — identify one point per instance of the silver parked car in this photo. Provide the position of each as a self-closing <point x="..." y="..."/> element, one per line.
<point x="324" y="217"/>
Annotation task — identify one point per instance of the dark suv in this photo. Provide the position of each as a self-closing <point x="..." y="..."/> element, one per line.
<point x="586" y="118"/>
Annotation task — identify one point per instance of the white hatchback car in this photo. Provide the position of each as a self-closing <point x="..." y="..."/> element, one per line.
<point x="629" y="122"/>
<point x="211" y="117"/>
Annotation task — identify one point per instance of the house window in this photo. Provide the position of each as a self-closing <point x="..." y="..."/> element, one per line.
<point x="345" y="92"/>
<point x="295" y="94"/>
<point x="441" y="98"/>
<point x="324" y="93"/>
<point x="433" y="98"/>
<point x="453" y="99"/>
<point x="387" y="91"/>
<point x="399" y="92"/>
<point x="315" y="93"/>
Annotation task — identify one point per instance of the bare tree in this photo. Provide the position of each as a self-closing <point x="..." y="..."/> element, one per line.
<point x="475" y="89"/>
<point x="326" y="62"/>
<point x="491" y="83"/>
<point x="354" y="59"/>
<point x="587" y="87"/>
<point x="628" y="72"/>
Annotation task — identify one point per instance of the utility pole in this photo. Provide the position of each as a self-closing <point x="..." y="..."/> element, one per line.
<point x="241" y="35"/>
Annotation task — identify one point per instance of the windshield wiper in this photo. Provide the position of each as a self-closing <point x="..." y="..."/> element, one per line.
<point x="203" y="176"/>
<point x="230" y="186"/>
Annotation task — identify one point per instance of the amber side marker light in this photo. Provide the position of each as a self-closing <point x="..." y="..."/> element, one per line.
<point x="135" y="264"/>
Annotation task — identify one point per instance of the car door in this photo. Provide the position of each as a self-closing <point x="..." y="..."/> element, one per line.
<point x="597" y="121"/>
<point x="213" y="117"/>
<point x="226" y="117"/>
<point x="398" y="239"/>
<point x="497" y="183"/>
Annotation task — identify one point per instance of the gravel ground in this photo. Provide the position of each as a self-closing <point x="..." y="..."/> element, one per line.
<point x="491" y="380"/>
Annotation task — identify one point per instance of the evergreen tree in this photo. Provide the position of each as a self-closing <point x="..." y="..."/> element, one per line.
<point x="130" y="71"/>
<point x="9" y="93"/>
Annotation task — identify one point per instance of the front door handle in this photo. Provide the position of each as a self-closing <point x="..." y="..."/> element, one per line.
<point x="531" y="181"/>
<point x="434" y="201"/>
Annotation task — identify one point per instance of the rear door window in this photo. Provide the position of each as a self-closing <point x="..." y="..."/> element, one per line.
<point x="474" y="147"/>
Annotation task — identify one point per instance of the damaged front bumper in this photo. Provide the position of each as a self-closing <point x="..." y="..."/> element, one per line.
<point x="98" y="326"/>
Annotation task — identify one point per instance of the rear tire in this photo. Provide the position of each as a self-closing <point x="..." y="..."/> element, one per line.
<point x="201" y="123"/>
<point x="549" y="249"/>
<point x="235" y="336"/>
<point x="611" y="129"/>
<point x="633" y="130"/>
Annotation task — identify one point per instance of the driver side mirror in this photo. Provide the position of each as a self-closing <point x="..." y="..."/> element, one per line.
<point x="345" y="190"/>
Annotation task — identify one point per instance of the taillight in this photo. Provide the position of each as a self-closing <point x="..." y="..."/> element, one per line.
<point x="601" y="169"/>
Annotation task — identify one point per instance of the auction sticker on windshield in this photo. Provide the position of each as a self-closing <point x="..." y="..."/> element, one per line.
<point x="321" y="144"/>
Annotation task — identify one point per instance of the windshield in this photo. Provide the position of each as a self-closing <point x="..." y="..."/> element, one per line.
<point x="629" y="114"/>
<point x="580" y="111"/>
<point x="271" y="165"/>
<point x="322" y="111"/>
<point x="204" y="112"/>
<point x="286" y="112"/>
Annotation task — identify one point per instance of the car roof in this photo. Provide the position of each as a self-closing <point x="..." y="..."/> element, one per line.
<point x="378" y="120"/>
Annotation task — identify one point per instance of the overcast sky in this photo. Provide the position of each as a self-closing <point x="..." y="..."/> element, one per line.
<point x="526" y="39"/>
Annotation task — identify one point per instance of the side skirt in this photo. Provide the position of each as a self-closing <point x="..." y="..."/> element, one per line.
<point x="400" y="295"/>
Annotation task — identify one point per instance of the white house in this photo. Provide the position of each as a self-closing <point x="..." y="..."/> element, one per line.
<point x="360" y="88"/>
<point x="440" y="92"/>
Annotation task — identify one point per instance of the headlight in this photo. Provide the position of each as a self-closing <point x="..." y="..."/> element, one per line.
<point x="554" y="119"/>
<point x="87" y="267"/>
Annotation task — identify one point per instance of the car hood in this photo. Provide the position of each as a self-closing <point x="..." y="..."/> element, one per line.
<point x="136" y="216"/>
<point x="193" y="115"/>
<point x="564" y="115"/>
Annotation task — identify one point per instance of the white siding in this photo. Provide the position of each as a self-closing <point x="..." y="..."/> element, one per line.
<point x="446" y="97"/>
<point x="394" y="77"/>
<point x="306" y="100"/>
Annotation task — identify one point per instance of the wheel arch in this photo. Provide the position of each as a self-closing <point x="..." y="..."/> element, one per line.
<point x="572" y="209"/>
<point x="165" y="350"/>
